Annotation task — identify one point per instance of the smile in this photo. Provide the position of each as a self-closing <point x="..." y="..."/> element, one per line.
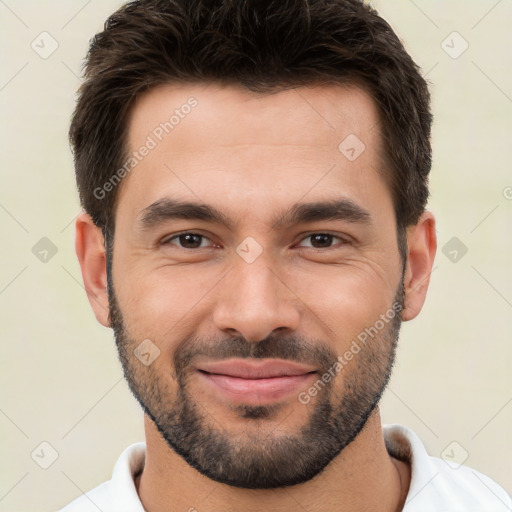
<point x="255" y="382"/>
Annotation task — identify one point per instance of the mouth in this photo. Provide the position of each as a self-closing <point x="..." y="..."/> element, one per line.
<point x="255" y="382"/>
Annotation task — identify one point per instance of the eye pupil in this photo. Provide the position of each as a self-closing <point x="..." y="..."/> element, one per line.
<point x="189" y="240"/>
<point x="323" y="238"/>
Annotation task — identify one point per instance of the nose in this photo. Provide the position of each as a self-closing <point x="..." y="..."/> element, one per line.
<point x="256" y="301"/>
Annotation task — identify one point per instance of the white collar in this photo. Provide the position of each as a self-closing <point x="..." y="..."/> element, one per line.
<point x="435" y="485"/>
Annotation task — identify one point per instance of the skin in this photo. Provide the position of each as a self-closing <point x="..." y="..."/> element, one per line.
<point x="253" y="156"/>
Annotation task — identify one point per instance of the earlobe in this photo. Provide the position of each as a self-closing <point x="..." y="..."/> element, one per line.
<point x="422" y="244"/>
<point x="90" y="250"/>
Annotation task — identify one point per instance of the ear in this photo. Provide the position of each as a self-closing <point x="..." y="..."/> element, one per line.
<point x="90" y="249"/>
<point x="422" y="244"/>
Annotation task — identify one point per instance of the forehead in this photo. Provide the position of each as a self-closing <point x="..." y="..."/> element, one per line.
<point x="233" y="114"/>
<point x="210" y="141"/>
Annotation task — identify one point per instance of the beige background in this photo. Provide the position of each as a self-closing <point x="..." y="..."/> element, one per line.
<point x="60" y="381"/>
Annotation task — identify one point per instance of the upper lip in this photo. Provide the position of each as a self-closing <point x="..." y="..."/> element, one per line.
<point x="255" y="369"/>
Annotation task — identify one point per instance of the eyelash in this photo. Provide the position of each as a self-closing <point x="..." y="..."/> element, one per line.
<point x="168" y="241"/>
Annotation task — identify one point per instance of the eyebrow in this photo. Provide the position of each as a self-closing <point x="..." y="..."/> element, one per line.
<point x="172" y="209"/>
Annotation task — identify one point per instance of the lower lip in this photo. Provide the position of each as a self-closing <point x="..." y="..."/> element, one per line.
<point x="256" y="391"/>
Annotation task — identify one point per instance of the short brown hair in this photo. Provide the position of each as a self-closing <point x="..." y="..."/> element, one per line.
<point x="265" y="46"/>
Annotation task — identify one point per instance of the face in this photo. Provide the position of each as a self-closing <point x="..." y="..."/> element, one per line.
<point x="255" y="282"/>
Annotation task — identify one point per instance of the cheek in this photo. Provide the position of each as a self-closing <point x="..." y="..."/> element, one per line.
<point x="165" y="304"/>
<point x="344" y="299"/>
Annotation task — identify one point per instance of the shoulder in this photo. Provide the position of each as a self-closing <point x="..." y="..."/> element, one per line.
<point x="119" y="493"/>
<point x="469" y="489"/>
<point x="442" y="485"/>
<point x="92" y="500"/>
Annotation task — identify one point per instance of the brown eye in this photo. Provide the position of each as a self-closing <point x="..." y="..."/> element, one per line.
<point x="188" y="240"/>
<point x="321" y="240"/>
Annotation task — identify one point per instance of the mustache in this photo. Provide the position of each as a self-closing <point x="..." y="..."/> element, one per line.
<point x="292" y="348"/>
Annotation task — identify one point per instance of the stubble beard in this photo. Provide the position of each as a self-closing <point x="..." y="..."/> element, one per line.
<point x="257" y="457"/>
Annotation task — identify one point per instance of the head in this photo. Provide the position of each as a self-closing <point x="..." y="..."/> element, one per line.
<point x="254" y="177"/>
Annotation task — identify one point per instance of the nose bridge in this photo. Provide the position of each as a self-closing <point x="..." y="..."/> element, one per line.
<point x="255" y="301"/>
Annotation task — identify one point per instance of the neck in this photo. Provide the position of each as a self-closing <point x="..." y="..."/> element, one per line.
<point x="362" y="477"/>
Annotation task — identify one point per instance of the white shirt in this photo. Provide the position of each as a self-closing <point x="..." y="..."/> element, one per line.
<point x="436" y="485"/>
